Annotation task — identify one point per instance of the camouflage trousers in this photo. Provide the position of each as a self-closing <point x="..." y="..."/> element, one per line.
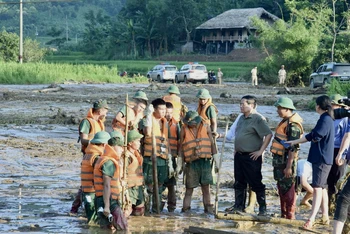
<point x="279" y="163"/>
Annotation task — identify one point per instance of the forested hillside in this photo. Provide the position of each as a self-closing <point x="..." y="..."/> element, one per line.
<point x="40" y="18"/>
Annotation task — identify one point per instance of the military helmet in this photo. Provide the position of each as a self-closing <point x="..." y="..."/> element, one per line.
<point x="140" y="95"/>
<point x="203" y="94"/>
<point x="285" y="103"/>
<point x="192" y="117"/>
<point x="101" y="138"/>
<point x="101" y="103"/>
<point x="173" y="89"/>
<point x="134" y="135"/>
<point x="117" y="138"/>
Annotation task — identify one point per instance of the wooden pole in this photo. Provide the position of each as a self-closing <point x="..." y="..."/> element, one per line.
<point x="256" y="218"/>
<point x="155" y="170"/>
<point x="218" y="178"/>
<point x="125" y="160"/>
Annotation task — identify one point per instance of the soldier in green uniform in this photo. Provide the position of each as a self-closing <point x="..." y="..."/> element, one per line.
<point x="284" y="157"/>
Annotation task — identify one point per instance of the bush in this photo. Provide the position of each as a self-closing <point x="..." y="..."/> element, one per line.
<point x="338" y="88"/>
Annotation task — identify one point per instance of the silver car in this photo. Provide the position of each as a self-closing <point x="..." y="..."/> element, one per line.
<point x="328" y="71"/>
<point x="192" y="72"/>
<point x="162" y="73"/>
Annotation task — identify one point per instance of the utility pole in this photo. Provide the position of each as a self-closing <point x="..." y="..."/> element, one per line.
<point x="66" y="29"/>
<point x="20" y="31"/>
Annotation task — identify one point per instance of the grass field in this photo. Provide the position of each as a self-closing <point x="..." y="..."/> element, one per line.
<point x="233" y="71"/>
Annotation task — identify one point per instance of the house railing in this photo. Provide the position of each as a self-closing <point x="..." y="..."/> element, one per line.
<point x="223" y="38"/>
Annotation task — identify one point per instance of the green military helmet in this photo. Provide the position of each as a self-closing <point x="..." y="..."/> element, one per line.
<point x="117" y="138"/>
<point x="100" y="104"/>
<point x="173" y="89"/>
<point x="100" y="138"/>
<point x="134" y="135"/>
<point x="192" y="117"/>
<point x="140" y="95"/>
<point x="203" y="94"/>
<point x="336" y="99"/>
<point x="285" y="103"/>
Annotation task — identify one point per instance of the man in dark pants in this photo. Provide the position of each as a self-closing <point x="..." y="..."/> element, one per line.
<point x="252" y="137"/>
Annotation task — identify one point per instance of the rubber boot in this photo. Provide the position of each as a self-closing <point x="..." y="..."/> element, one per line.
<point x="283" y="203"/>
<point x="290" y="200"/>
<point x="261" y="197"/>
<point x="171" y="198"/>
<point x="251" y="202"/>
<point x="240" y="196"/>
<point x="76" y="203"/>
<point x="119" y="220"/>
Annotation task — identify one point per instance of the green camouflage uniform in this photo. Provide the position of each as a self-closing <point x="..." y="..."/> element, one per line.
<point x="286" y="186"/>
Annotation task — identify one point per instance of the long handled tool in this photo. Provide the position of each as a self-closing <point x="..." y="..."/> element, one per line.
<point x="125" y="160"/>
<point x="155" y="171"/>
<point x="218" y="178"/>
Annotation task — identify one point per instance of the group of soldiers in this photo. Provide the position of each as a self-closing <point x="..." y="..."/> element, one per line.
<point x="125" y="172"/>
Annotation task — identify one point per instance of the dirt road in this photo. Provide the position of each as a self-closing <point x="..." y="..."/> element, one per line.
<point x="40" y="158"/>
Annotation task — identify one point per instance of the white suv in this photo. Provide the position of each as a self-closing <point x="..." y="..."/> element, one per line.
<point x="162" y="73"/>
<point x="192" y="72"/>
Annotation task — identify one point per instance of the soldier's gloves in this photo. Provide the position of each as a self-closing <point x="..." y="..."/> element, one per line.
<point x="170" y="165"/>
<point x="179" y="166"/>
<point x="149" y="113"/>
<point x="216" y="158"/>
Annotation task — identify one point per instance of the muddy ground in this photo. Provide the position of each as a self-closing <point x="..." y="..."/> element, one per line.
<point x="40" y="157"/>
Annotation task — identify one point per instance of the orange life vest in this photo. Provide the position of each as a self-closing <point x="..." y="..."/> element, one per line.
<point x="135" y="175"/>
<point x="176" y="101"/>
<point x="116" y="186"/>
<point x="118" y="126"/>
<point x="161" y="139"/>
<point x="195" y="147"/>
<point x="281" y="133"/>
<point x="173" y="136"/>
<point x="203" y="109"/>
<point x="95" y="127"/>
<point x="87" y="167"/>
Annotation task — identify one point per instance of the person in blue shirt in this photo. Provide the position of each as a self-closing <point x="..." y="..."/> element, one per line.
<point x="321" y="158"/>
<point x="340" y="130"/>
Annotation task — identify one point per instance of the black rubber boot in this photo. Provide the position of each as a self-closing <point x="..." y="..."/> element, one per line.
<point x="240" y="197"/>
<point x="261" y="197"/>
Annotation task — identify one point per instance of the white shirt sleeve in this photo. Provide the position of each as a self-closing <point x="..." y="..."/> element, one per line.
<point x="232" y="132"/>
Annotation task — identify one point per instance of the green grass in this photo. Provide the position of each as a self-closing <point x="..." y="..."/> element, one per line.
<point x="46" y="73"/>
<point x="233" y="71"/>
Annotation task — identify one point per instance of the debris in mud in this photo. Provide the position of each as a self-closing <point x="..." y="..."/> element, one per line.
<point x="50" y="88"/>
<point x="225" y="95"/>
<point x="62" y="117"/>
<point x="32" y="227"/>
<point x="301" y="91"/>
<point x="153" y="87"/>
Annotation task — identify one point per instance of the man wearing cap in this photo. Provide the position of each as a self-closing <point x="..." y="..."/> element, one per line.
<point x="285" y="158"/>
<point x="92" y="153"/>
<point x="108" y="185"/>
<point x="135" y="113"/>
<point x="282" y="74"/>
<point x="175" y="100"/>
<point x="341" y="145"/>
<point x="196" y="150"/>
<point x="251" y="139"/>
<point x="156" y="123"/>
<point x="88" y="127"/>
<point x="135" y="175"/>
<point x="174" y="139"/>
